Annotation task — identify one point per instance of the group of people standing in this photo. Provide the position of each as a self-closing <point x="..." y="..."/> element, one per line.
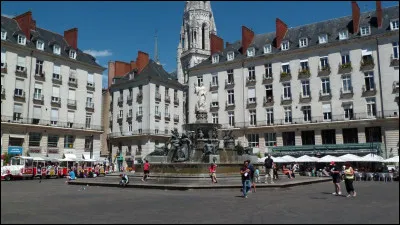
<point x="346" y="174"/>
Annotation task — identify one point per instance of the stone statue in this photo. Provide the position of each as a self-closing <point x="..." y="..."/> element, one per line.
<point x="201" y="97"/>
<point x="200" y="134"/>
<point x="229" y="140"/>
<point x="214" y="133"/>
<point x="180" y="149"/>
<point x="209" y="149"/>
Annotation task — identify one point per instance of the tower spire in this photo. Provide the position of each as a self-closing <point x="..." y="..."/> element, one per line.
<point x="156" y="48"/>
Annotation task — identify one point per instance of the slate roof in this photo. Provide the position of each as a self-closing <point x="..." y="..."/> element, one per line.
<point x="49" y="38"/>
<point x="311" y="31"/>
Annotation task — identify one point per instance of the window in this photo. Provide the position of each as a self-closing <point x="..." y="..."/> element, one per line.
<point x="348" y="111"/>
<point x="40" y="45"/>
<point x="304" y="65"/>
<point x="270" y="139"/>
<point x="130" y="127"/>
<point x="89" y="100"/>
<point x="371" y="107"/>
<point x="323" y="62"/>
<point x="17" y="116"/>
<point x="307" y="113"/>
<point x="200" y="81"/>
<point x="3" y="58"/>
<point x="140" y="110"/>
<point x="231" y="97"/>
<point x="268" y="71"/>
<point x="345" y="58"/>
<point x="267" y="49"/>
<point x="121" y="113"/>
<point x="88" y="142"/>
<point x="230" y="56"/>
<point x="88" y="120"/>
<point x="269" y="93"/>
<point x="72" y="54"/>
<point x="287" y="93"/>
<point x="214" y="79"/>
<point x="34" y="139"/>
<point x="39" y="67"/>
<point x="69" y="141"/>
<point x="166" y="108"/>
<point x="373" y="134"/>
<point x="305" y="84"/>
<point x="56" y="72"/>
<point x="327" y="112"/>
<point x="285" y="46"/>
<point x="288" y="114"/>
<point x="303" y="42"/>
<point x="72" y="76"/>
<point x="215" y="118"/>
<point x="71" y="117"/>
<point x="54" y="116"/>
<point x="37" y="92"/>
<point x="130" y="112"/>
<point x="55" y="97"/>
<point x="343" y="35"/>
<point x="251" y="95"/>
<point x="56" y="49"/>
<point x="90" y="80"/>
<point x="322" y="39"/>
<point x="270" y="116"/>
<point x="21" y="39"/>
<point x="350" y="135"/>
<point x="252" y="73"/>
<point x="19" y="87"/>
<point x="394" y="25"/>
<point x="395" y="50"/>
<point x="157" y="110"/>
<point x="365" y="30"/>
<point x="328" y="136"/>
<point x="231" y="118"/>
<point x="285" y="68"/>
<point x="346" y="84"/>
<point x="214" y="99"/>
<point x="326" y="87"/>
<point x="253" y="140"/>
<point x="215" y="58"/>
<point x="3" y="35"/>
<point x="230" y="77"/>
<point x="253" y="117"/>
<point x="21" y="64"/>
<point x="288" y="138"/>
<point x="250" y="52"/>
<point x="308" y="137"/>
<point x="369" y="81"/>
<point x="37" y="114"/>
<point x="52" y="141"/>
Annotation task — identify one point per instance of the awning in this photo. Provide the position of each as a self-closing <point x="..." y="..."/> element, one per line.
<point x="37" y="156"/>
<point x="70" y="156"/>
<point x="17" y="135"/>
<point x="86" y="155"/>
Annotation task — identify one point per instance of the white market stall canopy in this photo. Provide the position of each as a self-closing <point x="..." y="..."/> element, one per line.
<point x="392" y="160"/>
<point x="351" y="158"/>
<point x="86" y="156"/>
<point x="289" y="158"/>
<point x="306" y="158"/>
<point x="70" y="156"/>
<point x="275" y="159"/>
<point x="372" y="158"/>
<point x="329" y="158"/>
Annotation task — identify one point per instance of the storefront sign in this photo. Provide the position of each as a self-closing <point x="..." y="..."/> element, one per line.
<point x="52" y="150"/>
<point x="15" y="150"/>
<point x="35" y="149"/>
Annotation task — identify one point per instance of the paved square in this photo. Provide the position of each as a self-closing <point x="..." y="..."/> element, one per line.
<point x="52" y="201"/>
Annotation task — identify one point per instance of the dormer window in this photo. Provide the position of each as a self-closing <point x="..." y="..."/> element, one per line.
<point x="56" y="49"/>
<point x="365" y="30"/>
<point x="72" y="54"/>
<point x="343" y="35"/>
<point x="215" y="58"/>
<point x="394" y="25"/>
<point x="21" y="39"/>
<point x="250" y="52"/>
<point x="322" y="39"/>
<point x="267" y="49"/>
<point x="40" y="45"/>
<point x="230" y="56"/>
<point x="285" y="46"/>
<point x="3" y="35"/>
<point x="303" y="42"/>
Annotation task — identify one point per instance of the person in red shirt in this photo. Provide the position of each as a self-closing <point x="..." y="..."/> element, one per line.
<point x="213" y="169"/>
<point x="146" y="170"/>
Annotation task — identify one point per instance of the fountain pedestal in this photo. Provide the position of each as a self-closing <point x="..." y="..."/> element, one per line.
<point x="213" y="159"/>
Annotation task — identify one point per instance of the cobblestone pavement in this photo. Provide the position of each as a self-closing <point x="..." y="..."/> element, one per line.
<point x="53" y="201"/>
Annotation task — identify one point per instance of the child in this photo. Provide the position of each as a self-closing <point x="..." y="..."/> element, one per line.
<point x="257" y="175"/>
<point x="213" y="169"/>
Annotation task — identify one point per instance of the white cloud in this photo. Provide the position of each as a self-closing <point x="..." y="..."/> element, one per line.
<point x="6" y="15"/>
<point x="95" y="53"/>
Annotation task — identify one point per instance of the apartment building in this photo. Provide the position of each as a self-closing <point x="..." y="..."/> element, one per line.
<point x="329" y="87"/>
<point x="145" y="105"/>
<point x="50" y="92"/>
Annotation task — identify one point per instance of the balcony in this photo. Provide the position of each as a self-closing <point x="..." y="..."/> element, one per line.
<point x="214" y="106"/>
<point x="285" y="76"/>
<point x="56" y="79"/>
<point x="129" y="99"/>
<point x="250" y="81"/>
<point x="90" y="86"/>
<point x="325" y="96"/>
<point x="21" y="72"/>
<point x="251" y="103"/>
<point x="3" y="92"/>
<point x="366" y="92"/>
<point x="120" y="100"/>
<point x="3" y="67"/>
<point x="56" y="101"/>
<point x="73" y="82"/>
<point x="19" y="96"/>
<point x="157" y="115"/>
<point x="167" y="117"/>
<point x="324" y="70"/>
<point x="393" y="62"/>
<point x="346" y="94"/>
<point x="176" y="118"/>
<point x="167" y="98"/>
<point x="367" y="64"/>
<point x="229" y="84"/>
<point x="157" y="97"/>
<point x="90" y="106"/>
<point x="38" y="99"/>
<point x="304" y="98"/>
<point x="304" y="73"/>
<point x="268" y="79"/>
<point x="139" y="97"/>
<point x="119" y="118"/>
<point x="345" y="68"/>
<point x="71" y="104"/>
<point x="268" y="101"/>
<point x="40" y="76"/>
<point x="329" y="149"/>
<point x="139" y="115"/>
<point x="395" y="87"/>
<point x="213" y="86"/>
<point x="229" y="105"/>
<point x="286" y="100"/>
<point x="129" y="116"/>
<point x="176" y="101"/>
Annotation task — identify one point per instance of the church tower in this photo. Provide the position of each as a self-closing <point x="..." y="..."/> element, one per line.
<point x="194" y="41"/>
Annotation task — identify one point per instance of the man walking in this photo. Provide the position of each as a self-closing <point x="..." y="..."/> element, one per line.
<point x="245" y="172"/>
<point x="268" y="169"/>
<point x="335" y="173"/>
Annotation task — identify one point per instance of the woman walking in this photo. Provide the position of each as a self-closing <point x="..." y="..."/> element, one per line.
<point x="348" y="180"/>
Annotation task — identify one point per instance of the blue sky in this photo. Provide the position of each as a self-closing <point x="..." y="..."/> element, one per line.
<point x="117" y="30"/>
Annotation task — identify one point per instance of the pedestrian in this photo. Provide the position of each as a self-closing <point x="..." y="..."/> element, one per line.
<point x="252" y="170"/>
<point x="348" y="180"/>
<point x="268" y="169"/>
<point x="213" y="170"/>
<point x="257" y="175"/>
<point x="245" y="172"/>
<point x="146" y="170"/>
<point x="275" y="172"/>
<point x="335" y="173"/>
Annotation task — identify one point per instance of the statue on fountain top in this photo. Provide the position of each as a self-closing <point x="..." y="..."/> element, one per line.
<point x="201" y="98"/>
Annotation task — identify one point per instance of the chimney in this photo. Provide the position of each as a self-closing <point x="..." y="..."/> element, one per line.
<point x="356" y="16"/>
<point x="133" y="65"/>
<point x="111" y="73"/>
<point x="217" y="44"/>
<point x="25" y="23"/>
<point x="281" y="29"/>
<point x="379" y="13"/>
<point x="71" y="36"/>
<point x="142" y="61"/>
<point x="227" y="44"/>
<point x="247" y="38"/>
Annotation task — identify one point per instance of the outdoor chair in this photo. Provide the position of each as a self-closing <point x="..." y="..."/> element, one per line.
<point x="381" y="176"/>
<point x="357" y="176"/>
<point x="389" y="176"/>
<point x="369" y="176"/>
